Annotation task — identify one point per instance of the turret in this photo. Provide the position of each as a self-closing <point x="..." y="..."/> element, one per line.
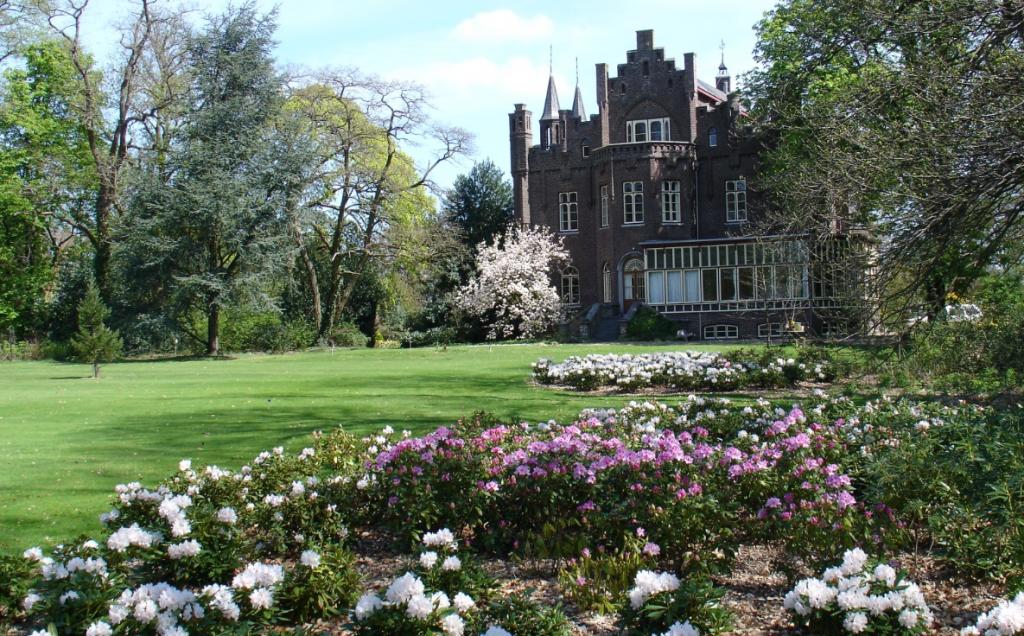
<point x="722" y="81"/>
<point x="520" y="140"/>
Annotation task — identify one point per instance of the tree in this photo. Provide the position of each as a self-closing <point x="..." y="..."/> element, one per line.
<point x="512" y="289"/>
<point x="45" y="176"/>
<point x="365" y="191"/>
<point x="110" y="120"/>
<point x="902" y="118"/>
<point x="95" y="342"/>
<point x="209" y="224"/>
<point x="480" y="203"/>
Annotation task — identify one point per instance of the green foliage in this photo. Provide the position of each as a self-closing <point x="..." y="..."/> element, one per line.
<point x="310" y="594"/>
<point x="519" y="614"/>
<point x="597" y="582"/>
<point x="649" y="324"/>
<point x="15" y="582"/>
<point x="95" y="342"/>
<point x="264" y="331"/>
<point x="347" y="334"/>
<point x="480" y="205"/>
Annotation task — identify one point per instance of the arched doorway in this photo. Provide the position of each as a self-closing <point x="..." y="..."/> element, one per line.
<point x="634" y="288"/>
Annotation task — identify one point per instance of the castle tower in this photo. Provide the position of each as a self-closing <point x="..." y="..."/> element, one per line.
<point x="577" y="101"/>
<point x="722" y="81"/>
<point x="551" y="132"/>
<point x="520" y="140"/>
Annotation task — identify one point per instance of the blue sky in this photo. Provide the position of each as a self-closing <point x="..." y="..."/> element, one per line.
<point x="477" y="59"/>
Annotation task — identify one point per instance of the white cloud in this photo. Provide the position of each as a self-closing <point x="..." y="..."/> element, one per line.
<point x="517" y="78"/>
<point x="503" y="25"/>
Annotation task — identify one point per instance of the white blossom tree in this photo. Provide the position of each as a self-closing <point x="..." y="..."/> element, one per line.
<point x="512" y="290"/>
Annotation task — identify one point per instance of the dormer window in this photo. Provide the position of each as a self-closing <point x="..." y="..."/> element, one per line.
<point x="640" y="130"/>
<point x="713" y="137"/>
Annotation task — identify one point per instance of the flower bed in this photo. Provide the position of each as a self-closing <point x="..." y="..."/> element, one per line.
<point x="615" y="493"/>
<point x="685" y="370"/>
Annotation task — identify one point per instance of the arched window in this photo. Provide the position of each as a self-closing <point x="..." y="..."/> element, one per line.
<point x="571" y="286"/>
<point x="606" y="284"/>
<point x="656" y="130"/>
<point x="633" y="280"/>
<point x="713" y="137"/>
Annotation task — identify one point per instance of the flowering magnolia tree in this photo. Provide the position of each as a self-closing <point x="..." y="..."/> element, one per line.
<point x="512" y="289"/>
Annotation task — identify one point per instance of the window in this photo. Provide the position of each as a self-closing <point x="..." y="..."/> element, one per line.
<point x="571" y="286"/>
<point x="675" y="287"/>
<point x="656" y="288"/>
<point x="710" y="279"/>
<point x="604" y="206"/>
<point x="692" y="279"/>
<point x="713" y="137"/>
<point x="568" y="212"/>
<point x="746" y="283"/>
<point x="638" y="130"/>
<point x="773" y="329"/>
<point x="586" y="151"/>
<point x="670" y="212"/>
<point x="735" y="201"/>
<point x="633" y="280"/>
<point x="721" y="332"/>
<point x="633" y="201"/>
<point x="727" y="283"/>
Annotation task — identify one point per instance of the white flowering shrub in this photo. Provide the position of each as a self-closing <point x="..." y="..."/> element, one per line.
<point x="686" y="370"/>
<point x="859" y="596"/>
<point x="662" y="603"/>
<point x="408" y="607"/>
<point x="443" y="568"/>
<point x="1005" y="619"/>
<point x="512" y="290"/>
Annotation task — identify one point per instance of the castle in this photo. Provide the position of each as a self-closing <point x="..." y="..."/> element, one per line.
<point x="652" y="200"/>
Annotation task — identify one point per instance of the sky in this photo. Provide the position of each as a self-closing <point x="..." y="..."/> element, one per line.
<point x="477" y="59"/>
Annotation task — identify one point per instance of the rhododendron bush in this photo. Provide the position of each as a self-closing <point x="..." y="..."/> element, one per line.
<point x="687" y="370"/>
<point x="637" y="505"/>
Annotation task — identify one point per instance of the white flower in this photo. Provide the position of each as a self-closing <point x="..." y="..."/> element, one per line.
<point x="404" y="588"/>
<point x="30" y="600"/>
<point x="419" y="606"/>
<point x="368" y="604"/>
<point x="33" y="554"/>
<point x="451" y="564"/>
<point x="428" y="559"/>
<point x="463" y="602"/>
<point x="258" y="575"/>
<point x="684" y="629"/>
<point x="261" y="598"/>
<point x="855" y="622"/>
<point x="853" y="561"/>
<point x="227" y="515"/>
<point x="494" y="630"/>
<point x="70" y="595"/>
<point x="185" y="465"/>
<point x="99" y="628"/>
<point x="909" y="618"/>
<point x="310" y="559"/>
<point x="184" y="549"/>
<point x="443" y="538"/>
<point x="453" y="625"/>
<point x="648" y="583"/>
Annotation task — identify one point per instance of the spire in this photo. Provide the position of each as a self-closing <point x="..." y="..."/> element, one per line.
<point x="577" y="100"/>
<point x="723" y="71"/>
<point x="551" y="106"/>
<point x="723" y="82"/>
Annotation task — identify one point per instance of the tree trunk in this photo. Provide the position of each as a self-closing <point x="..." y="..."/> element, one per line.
<point x="101" y="239"/>
<point x="95" y="370"/>
<point x="213" y="330"/>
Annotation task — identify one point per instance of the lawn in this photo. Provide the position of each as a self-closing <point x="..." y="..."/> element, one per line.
<point x="69" y="439"/>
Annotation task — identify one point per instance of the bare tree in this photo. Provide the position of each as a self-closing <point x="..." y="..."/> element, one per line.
<point x="364" y="183"/>
<point x="142" y="86"/>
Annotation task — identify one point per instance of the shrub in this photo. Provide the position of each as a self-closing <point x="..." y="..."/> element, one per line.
<point x="409" y="608"/>
<point x="347" y="334"/>
<point x="596" y="582"/>
<point x="518" y="614"/>
<point x="266" y="331"/>
<point x="859" y="596"/>
<point x="20" y="350"/>
<point x="649" y="324"/>
<point x="322" y="583"/>
<point x="660" y="601"/>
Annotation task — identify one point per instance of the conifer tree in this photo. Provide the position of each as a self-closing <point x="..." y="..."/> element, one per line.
<point x="95" y="342"/>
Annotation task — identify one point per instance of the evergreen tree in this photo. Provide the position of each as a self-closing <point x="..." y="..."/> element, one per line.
<point x="480" y="203"/>
<point x="209" y="225"/>
<point x="95" y="342"/>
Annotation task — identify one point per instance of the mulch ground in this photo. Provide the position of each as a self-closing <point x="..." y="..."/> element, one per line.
<point x="754" y="590"/>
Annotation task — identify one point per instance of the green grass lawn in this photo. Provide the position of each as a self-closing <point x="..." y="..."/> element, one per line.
<point x="68" y="439"/>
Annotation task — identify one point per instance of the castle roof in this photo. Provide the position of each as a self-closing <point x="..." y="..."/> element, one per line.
<point x="577" y="105"/>
<point x="551" y="107"/>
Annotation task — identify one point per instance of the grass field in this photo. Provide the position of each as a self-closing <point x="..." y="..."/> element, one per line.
<point x="68" y="439"/>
